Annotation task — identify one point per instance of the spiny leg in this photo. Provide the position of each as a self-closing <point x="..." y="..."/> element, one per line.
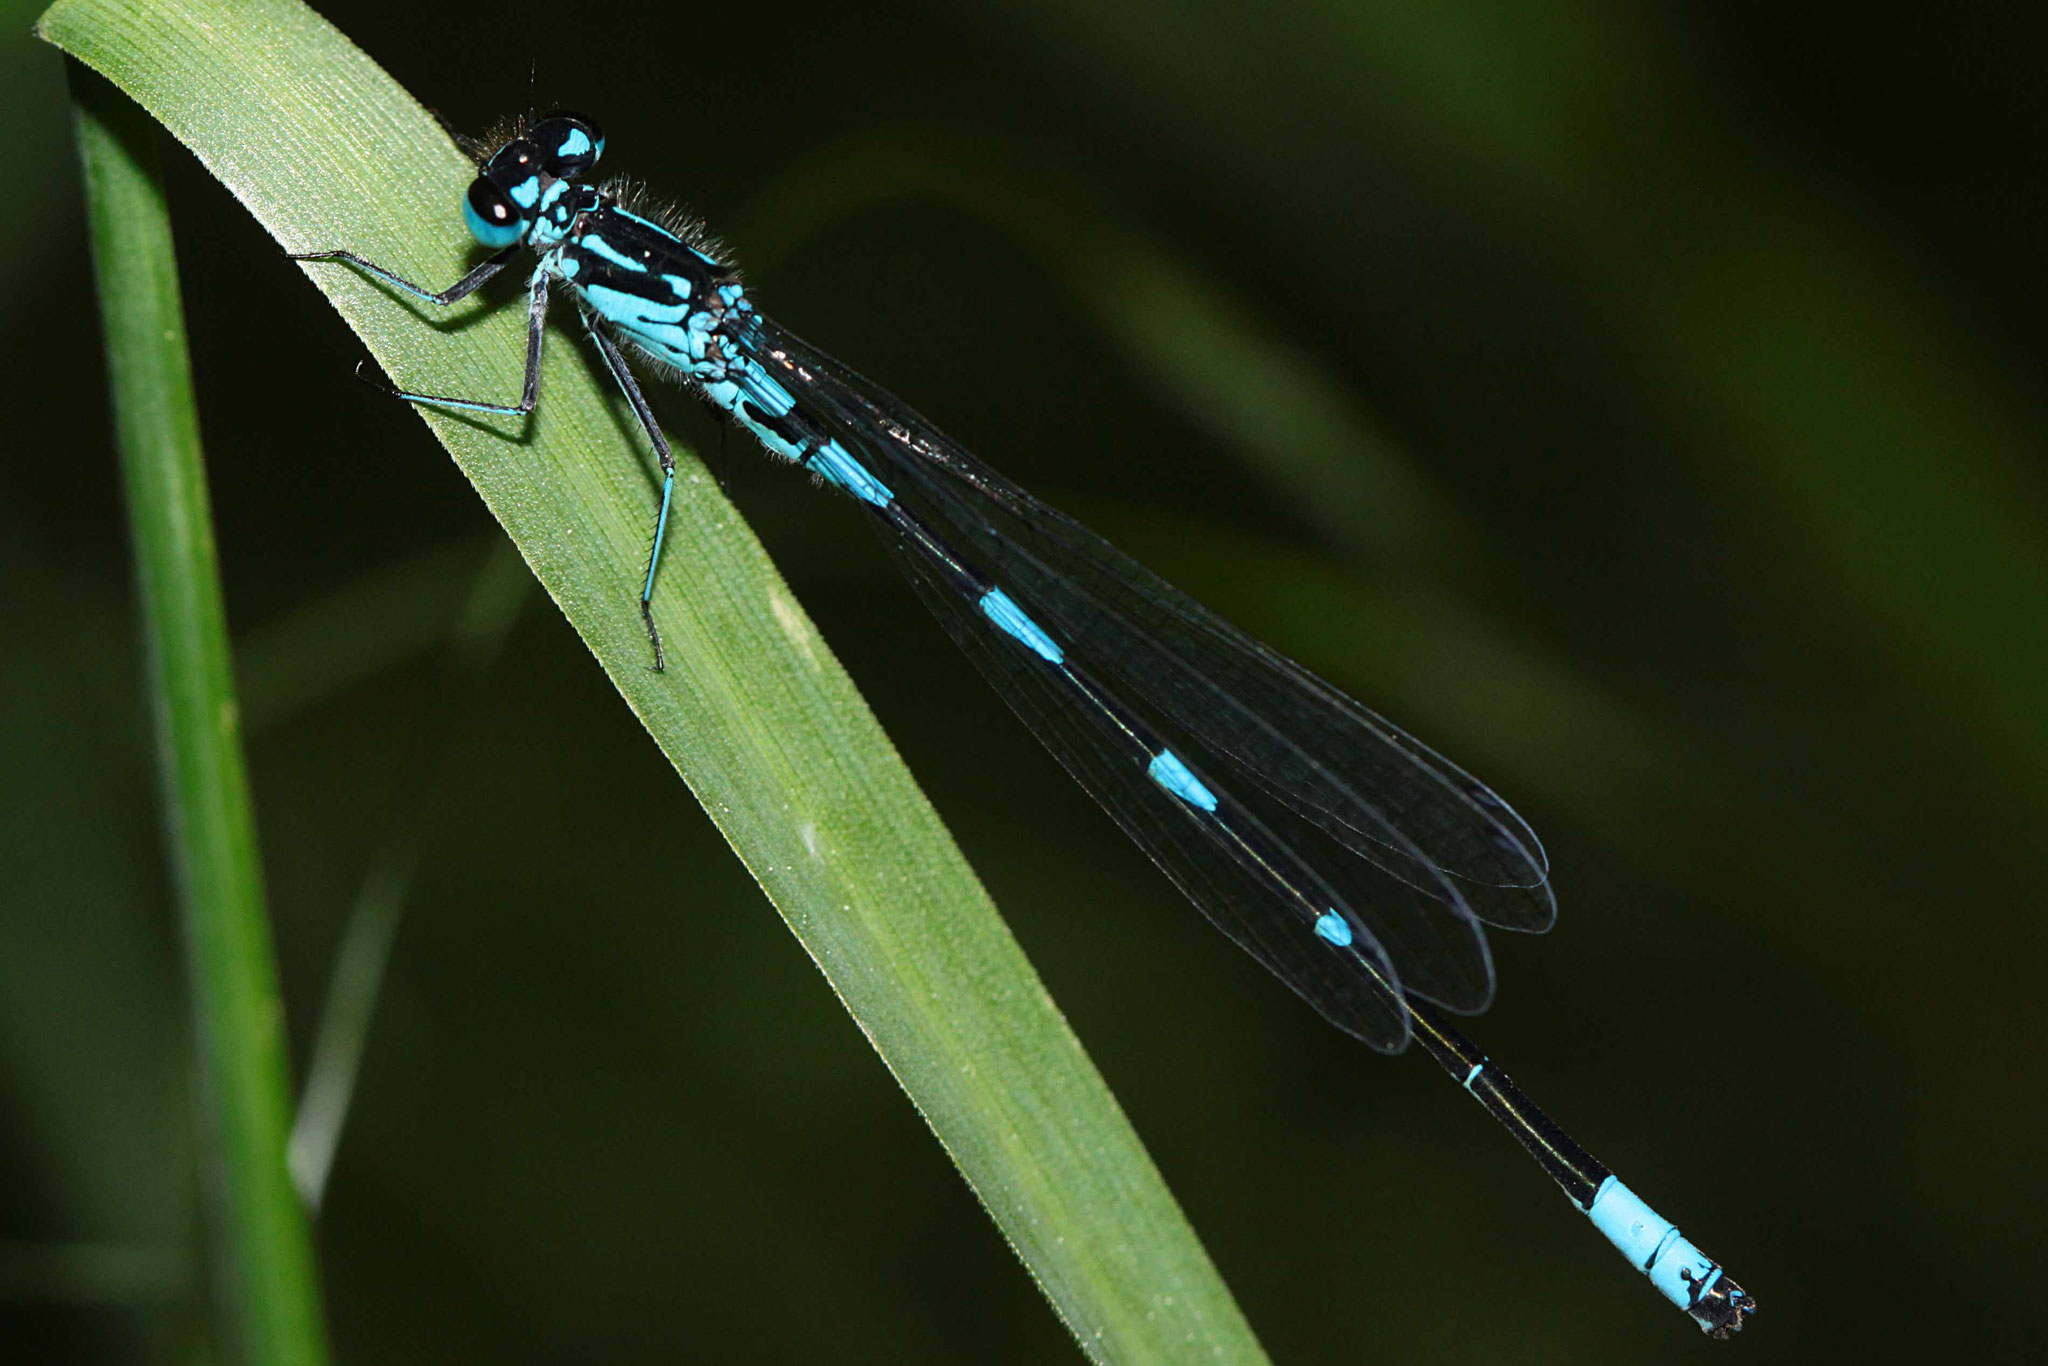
<point x="455" y="293"/>
<point x="536" y="331"/>
<point x="616" y="363"/>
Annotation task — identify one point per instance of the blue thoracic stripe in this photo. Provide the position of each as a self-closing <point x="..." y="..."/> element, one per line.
<point x="597" y="246"/>
<point x="1170" y="773"/>
<point x="632" y="313"/>
<point x="1001" y="609"/>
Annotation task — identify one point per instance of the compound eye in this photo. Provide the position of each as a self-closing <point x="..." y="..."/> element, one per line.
<point x="513" y="162"/>
<point x="569" y="144"/>
<point x="493" y="220"/>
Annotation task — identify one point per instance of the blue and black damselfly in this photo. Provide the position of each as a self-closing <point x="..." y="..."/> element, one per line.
<point x="1353" y="861"/>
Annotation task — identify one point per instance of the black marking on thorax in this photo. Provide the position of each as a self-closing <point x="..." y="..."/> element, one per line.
<point x="656" y="249"/>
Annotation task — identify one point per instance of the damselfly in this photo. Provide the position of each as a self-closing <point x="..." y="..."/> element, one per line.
<point x="1353" y="861"/>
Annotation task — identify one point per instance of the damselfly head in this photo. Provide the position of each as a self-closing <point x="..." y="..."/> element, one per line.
<point x="506" y="196"/>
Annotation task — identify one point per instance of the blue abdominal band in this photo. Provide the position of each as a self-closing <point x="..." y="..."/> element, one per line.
<point x="1000" y="608"/>
<point x="1677" y="1268"/>
<point x="1170" y="773"/>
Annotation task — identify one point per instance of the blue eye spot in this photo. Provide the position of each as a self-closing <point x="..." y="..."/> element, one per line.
<point x="526" y="193"/>
<point x="575" y="145"/>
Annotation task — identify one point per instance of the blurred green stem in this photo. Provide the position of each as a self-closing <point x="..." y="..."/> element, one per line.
<point x="500" y="589"/>
<point x="1200" y="350"/>
<point x="259" y="1234"/>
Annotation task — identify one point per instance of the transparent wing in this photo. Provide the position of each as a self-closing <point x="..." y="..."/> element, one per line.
<point x="1336" y="764"/>
<point x="1247" y="878"/>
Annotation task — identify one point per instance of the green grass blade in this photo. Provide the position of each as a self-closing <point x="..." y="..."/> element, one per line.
<point x="754" y="712"/>
<point x="259" y="1232"/>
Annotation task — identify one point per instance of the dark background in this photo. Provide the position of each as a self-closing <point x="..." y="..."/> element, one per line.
<point x="1688" y="356"/>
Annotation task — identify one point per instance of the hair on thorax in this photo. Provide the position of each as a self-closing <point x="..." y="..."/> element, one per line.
<point x="636" y="198"/>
